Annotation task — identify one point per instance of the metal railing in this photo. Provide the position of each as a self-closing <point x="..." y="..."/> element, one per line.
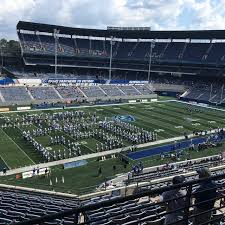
<point x="89" y="207"/>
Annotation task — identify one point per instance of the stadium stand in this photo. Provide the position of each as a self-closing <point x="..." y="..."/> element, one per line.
<point x="129" y="90"/>
<point x="18" y="206"/>
<point x="143" y="89"/>
<point x="140" y="208"/>
<point x="93" y="91"/>
<point x="112" y="90"/>
<point x="15" y="94"/>
<point x="69" y="92"/>
<point x="43" y="93"/>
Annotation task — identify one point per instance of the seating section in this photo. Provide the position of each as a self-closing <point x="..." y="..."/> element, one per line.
<point x="69" y="92"/>
<point x="112" y="90"/>
<point x="45" y="45"/>
<point x="207" y="93"/>
<point x="43" y="93"/>
<point x="19" y="206"/>
<point x="129" y="212"/>
<point x="163" y="51"/>
<point x="129" y="90"/>
<point x="92" y="91"/>
<point x="15" y="94"/>
<point x="143" y="89"/>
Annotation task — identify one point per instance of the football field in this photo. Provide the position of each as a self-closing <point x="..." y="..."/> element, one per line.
<point x="167" y="119"/>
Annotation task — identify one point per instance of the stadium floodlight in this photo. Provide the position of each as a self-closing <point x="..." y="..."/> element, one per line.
<point x="150" y="59"/>
<point x="111" y="55"/>
<point x="56" y="32"/>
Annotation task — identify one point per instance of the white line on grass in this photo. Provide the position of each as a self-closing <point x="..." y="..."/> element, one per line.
<point x="18" y="146"/>
<point x="5" y="162"/>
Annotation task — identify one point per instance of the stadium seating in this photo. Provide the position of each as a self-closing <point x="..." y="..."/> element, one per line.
<point x="129" y="90"/>
<point x="19" y="206"/>
<point x="15" y="94"/>
<point x="93" y="91"/>
<point x="162" y="51"/>
<point x="125" y="213"/>
<point x="69" y="92"/>
<point x="112" y="90"/>
<point x="143" y="89"/>
<point x="43" y="93"/>
<point x="204" y="92"/>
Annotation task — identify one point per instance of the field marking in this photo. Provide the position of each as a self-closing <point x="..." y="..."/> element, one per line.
<point x="212" y="122"/>
<point x="98" y="154"/>
<point x="179" y="127"/>
<point x="5" y="162"/>
<point x="87" y="106"/>
<point x="18" y="146"/>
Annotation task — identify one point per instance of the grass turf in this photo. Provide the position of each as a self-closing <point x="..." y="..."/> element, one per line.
<point x="168" y="119"/>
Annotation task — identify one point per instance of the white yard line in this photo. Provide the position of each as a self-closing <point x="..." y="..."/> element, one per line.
<point x="5" y="162"/>
<point x="17" y="146"/>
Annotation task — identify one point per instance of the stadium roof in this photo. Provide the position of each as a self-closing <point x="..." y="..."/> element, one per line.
<point x="130" y="34"/>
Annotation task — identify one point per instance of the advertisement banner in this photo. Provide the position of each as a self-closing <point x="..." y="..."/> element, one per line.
<point x="24" y="108"/>
<point x="32" y="173"/>
<point x="75" y="164"/>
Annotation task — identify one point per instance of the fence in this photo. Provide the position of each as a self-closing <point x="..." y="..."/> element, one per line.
<point x="90" y="207"/>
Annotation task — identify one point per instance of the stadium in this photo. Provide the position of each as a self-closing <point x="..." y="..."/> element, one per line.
<point x="116" y="126"/>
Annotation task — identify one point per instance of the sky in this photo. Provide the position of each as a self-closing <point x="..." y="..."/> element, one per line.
<point x="157" y="14"/>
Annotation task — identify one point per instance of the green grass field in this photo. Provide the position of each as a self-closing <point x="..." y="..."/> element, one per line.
<point x="168" y="119"/>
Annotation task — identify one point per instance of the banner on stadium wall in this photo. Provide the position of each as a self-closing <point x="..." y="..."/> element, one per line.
<point x="30" y="173"/>
<point x="154" y="100"/>
<point x="24" y="108"/>
<point x="72" y="81"/>
<point x="4" y="109"/>
<point x="75" y="164"/>
<point x="138" y="82"/>
<point x="79" y="81"/>
<point x="144" y="100"/>
<point x="128" y="82"/>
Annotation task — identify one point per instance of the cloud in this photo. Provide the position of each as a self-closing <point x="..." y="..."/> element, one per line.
<point x="160" y="14"/>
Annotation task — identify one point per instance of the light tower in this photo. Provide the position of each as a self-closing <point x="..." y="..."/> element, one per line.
<point x="56" y="32"/>
<point x="150" y="59"/>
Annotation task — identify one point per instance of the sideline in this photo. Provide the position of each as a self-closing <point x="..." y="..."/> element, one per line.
<point x="86" y="106"/>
